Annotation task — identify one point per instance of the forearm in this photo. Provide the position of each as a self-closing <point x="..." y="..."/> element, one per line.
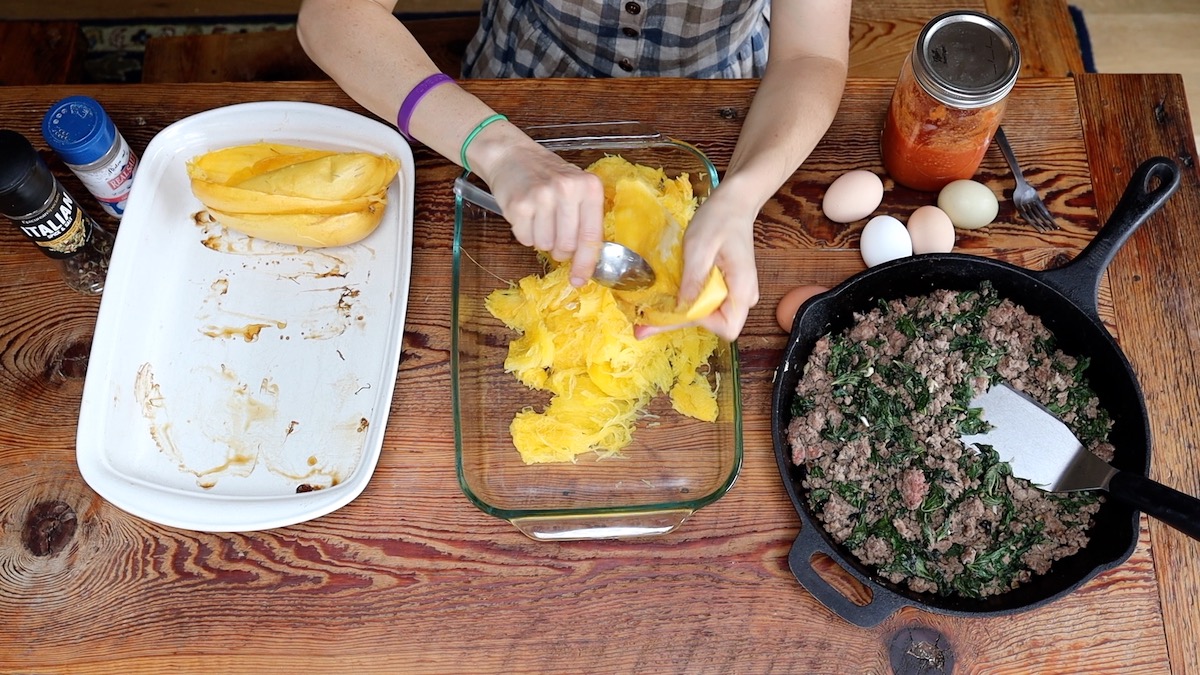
<point x="376" y="61"/>
<point x="791" y="111"/>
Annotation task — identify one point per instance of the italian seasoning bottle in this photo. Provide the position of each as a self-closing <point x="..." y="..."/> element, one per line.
<point x="50" y="217"/>
<point x="949" y="98"/>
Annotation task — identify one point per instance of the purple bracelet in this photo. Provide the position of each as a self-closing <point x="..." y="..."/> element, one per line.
<point x="414" y="97"/>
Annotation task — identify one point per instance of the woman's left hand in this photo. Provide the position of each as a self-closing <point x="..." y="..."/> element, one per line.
<point x="721" y="233"/>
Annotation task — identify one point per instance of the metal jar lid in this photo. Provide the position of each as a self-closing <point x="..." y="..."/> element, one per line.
<point x="966" y="59"/>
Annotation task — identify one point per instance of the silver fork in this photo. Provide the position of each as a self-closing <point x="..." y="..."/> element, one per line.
<point x="1025" y="198"/>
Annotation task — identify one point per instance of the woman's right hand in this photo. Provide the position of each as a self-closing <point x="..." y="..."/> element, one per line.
<point x="552" y="205"/>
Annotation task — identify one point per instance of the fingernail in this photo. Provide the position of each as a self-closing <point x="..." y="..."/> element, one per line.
<point x="577" y="282"/>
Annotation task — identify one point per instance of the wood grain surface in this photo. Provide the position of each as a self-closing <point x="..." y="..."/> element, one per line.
<point x="1140" y="116"/>
<point x="410" y="577"/>
<point x="882" y="32"/>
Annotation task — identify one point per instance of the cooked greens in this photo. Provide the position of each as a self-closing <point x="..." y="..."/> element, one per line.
<point x="876" y="420"/>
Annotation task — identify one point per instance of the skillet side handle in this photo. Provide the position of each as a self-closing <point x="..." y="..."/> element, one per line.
<point x="1079" y="279"/>
<point x="883" y="603"/>
<point x="1180" y="511"/>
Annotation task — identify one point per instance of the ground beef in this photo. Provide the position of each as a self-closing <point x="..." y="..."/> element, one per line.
<point x="876" y="421"/>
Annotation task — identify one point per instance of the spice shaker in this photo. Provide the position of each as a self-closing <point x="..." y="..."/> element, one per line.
<point x="49" y="216"/>
<point x="81" y="132"/>
<point x="949" y="98"/>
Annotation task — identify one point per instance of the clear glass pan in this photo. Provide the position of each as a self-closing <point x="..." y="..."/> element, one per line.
<point x="674" y="465"/>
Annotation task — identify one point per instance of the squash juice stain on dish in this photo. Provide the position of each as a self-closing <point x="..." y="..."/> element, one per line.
<point x="320" y="262"/>
<point x="249" y="332"/>
<point x="343" y="317"/>
<point x="288" y="263"/>
<point x="232" y="431"/>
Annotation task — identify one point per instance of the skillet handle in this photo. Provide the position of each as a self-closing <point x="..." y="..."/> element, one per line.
<point x="883" y="602"/>
<point x="1180" y="511"/>
<point x="1079" y="279"/>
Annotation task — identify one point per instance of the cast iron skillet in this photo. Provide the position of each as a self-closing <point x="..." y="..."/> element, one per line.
<point x="1066" y="300"/>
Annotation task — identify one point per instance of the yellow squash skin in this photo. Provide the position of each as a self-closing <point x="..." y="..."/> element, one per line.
<point x="292" y="194"/>
<point x="311" y="230"/>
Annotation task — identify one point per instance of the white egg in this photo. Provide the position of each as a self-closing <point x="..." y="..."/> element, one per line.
<point x="970" y="205"/>
<point x="884" y="238"/>
<point x="852" y="196"/>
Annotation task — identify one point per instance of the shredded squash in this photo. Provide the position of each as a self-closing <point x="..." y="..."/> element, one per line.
<point x="579" y="344"/>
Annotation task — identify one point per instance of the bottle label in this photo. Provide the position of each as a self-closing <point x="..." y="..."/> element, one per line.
<point x="110" y="184"/>
<point x="62" y="230"/>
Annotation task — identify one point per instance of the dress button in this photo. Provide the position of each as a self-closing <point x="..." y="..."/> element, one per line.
<point x="625" y="65"/>
<point x="633" y="8"/>
<point x="629" y="31"/>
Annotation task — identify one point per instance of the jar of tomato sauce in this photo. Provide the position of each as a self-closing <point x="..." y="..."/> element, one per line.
<point x="948" y="100"/>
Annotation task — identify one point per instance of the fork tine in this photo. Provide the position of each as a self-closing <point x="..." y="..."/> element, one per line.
<point x="1031" y="217"/>
<point x="1044" y="215"/>
<point x="1025" y="197"/>
<point x="1034" y="211"/>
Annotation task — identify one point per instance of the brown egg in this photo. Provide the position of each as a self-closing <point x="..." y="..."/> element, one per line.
<point x="853" y="196"/>
<point x="789" y="304"/>
<point x="931" y="230"/>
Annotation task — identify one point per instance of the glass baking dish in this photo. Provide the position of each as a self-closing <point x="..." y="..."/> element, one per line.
<point x="674" y="465"/>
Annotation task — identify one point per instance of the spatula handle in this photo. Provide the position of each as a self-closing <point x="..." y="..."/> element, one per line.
<point x="1171" y="506"/>
<point x="476" y="195"/>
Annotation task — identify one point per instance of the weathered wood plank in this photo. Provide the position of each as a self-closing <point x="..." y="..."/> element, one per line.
<point x="884" y="31"/>
<point x="1155" y="275"/>
<point x="228" y="57"/>
<point x="266" y="56"/>
<point x="41" y="52"/>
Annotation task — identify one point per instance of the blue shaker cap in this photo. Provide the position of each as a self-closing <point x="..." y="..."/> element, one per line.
<point x="78" y="129"/>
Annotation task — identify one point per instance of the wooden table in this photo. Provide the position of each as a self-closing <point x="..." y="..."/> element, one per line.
<point x="411" y="576"/>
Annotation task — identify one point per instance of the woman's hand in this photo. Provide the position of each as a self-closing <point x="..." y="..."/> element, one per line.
<point x="721" y="233"/>
<point x="552" y="205"/>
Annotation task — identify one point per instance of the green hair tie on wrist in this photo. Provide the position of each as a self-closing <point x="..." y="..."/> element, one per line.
<point x="475" y="132"/>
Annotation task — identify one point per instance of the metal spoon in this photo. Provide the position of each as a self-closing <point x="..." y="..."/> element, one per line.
<point x="619" y="267"/>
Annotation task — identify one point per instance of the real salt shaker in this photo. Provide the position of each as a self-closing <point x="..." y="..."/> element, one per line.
<point x="83" y="135"/>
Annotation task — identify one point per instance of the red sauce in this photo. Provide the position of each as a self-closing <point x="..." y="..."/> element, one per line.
<point x="926" y="144"/>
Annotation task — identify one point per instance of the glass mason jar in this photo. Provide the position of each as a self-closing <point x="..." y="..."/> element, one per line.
<point x="949" y="99"/>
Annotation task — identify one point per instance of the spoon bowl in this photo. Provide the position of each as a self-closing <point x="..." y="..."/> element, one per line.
<point x="619" y="267"/>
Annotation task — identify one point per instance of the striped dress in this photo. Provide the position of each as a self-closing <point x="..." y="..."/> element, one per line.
<point x="620" y="38"/>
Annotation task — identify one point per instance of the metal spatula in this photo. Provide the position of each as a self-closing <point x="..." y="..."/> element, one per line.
<point x="1044" y="451"/>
